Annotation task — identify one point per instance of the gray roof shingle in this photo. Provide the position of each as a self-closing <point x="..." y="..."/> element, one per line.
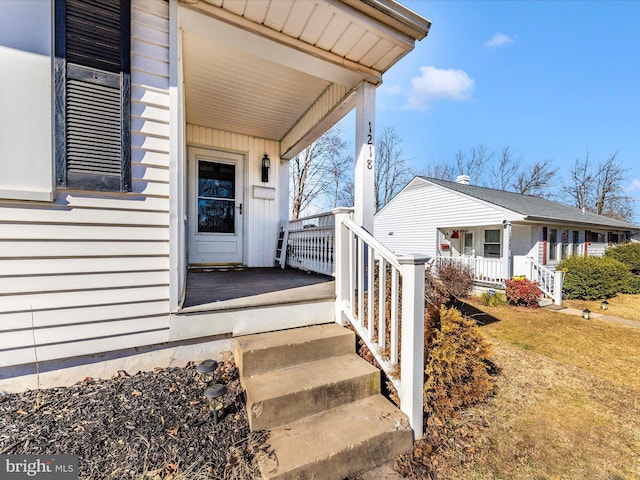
<point x="532" y="207"/>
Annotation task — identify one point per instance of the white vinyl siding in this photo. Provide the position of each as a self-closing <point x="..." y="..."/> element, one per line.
<point x="523" y="240"/>
<point x="409" y="222"/>
<point x="261" y="215"/>
<point x="91" y="271"/>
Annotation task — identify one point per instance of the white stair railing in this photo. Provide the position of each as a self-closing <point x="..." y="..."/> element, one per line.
<point x="550" y="281"/>
<point x="382" y="296"/>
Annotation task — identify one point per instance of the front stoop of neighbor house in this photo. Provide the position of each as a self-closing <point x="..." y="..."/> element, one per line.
<point x="321" y="403"/>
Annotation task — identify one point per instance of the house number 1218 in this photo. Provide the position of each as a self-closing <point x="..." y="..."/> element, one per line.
<point x="370" y="143"/>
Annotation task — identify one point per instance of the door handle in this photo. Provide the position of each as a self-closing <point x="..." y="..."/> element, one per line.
<point x="240" y="209"/>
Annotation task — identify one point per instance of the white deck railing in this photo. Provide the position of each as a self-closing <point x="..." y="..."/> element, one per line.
<point x="310" y="244"/>
<point x="484" y="270"/>
<point x="382" y="296"/>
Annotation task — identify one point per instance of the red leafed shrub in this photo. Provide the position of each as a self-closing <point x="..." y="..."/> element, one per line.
<point x="523" y="292"/>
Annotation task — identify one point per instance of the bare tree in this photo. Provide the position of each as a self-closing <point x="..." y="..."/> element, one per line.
<point x="391" y="170"/>
<point x="505" y="170"/>
<point x="609" y="197"/>
<point x="440" y="171"/>
<point x="597" y="187"/>
<point x="314" y="170"/>
<point x="535" y="179"/>
<point x="581" y="185"/>
<point x="339" y="169"/>
<point x="474" y="164"/>
<point x="346" y="196"/>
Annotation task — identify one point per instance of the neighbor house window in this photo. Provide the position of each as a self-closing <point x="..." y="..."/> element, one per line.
<point x="492" y="243"/>
<point x="92" y="94"/>
<point x="553" y="244"/>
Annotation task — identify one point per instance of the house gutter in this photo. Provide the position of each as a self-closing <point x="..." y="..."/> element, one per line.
<point x="560" y="221"/>
<point x="395" y="15"/>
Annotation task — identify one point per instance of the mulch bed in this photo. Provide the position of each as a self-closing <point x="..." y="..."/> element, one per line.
<point x="153" y="425"/>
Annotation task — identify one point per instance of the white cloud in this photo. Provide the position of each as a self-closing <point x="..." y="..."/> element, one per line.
<point x="390" y="90"/>
<point x="435" y="83"/>
<point x="633" y="186"/>
<point x="499" y="40"/>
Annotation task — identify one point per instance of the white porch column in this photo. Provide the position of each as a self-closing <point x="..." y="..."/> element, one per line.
<point x="364" y="198"/>
<point x="412" y="334"/>
<point x="506" y="250"/>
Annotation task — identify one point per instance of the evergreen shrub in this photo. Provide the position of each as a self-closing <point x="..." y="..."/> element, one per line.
<point x="594" y="278"/>
<point x="633" y="287"/>
<point x="457" y="364"/>
<point x="629" y="254"/>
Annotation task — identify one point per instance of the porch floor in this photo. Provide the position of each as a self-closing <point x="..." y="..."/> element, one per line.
<point x="228" y="288"/>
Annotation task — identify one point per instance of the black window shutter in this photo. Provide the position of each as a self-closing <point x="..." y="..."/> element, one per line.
<point x="93" y="90"/>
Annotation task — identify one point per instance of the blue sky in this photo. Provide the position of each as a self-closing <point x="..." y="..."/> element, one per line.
<point x="553" y="80"/>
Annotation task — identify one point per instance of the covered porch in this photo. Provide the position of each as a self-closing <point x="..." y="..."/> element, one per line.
<point x="495" y="253"/>
<point x="258" y="82"/>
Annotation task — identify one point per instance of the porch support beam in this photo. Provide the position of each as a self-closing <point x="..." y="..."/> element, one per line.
<point x="334" y="103"/>
<point x="506" y="250"/>
<point x="177" y="251"/>
<point x="364" y="190"/>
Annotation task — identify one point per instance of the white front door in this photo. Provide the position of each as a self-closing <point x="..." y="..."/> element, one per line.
<point x="215" y="219"/>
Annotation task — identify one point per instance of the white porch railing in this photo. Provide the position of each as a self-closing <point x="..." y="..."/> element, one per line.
<point x="310" y="244"/>
<point x="489" y="270"/>
<point x="382" y="296"/>
<point x="484" y="270"/>
<point x="550" y="280"/>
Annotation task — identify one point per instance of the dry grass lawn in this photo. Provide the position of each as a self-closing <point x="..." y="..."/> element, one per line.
<point x="622" y="305"/>
<point x="568" y="400"/>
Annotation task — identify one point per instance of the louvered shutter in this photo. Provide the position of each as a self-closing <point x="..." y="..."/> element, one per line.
<point x="93" y="94"/>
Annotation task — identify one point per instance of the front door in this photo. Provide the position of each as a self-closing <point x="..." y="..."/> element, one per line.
<point x="215" y="220"/>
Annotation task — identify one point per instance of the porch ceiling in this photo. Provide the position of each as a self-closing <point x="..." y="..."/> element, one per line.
<point x="236" y="91"/>
<point x="256" y="67"/>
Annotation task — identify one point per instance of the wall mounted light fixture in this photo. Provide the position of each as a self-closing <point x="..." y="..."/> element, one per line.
<point x="266" y="164"/>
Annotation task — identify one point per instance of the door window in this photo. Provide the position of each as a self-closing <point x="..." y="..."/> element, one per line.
<point x="468" y="244"/>
<point x="216" y="197"/>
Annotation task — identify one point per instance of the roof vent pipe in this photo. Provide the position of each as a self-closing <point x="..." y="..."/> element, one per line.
<point x="463" y="179"/>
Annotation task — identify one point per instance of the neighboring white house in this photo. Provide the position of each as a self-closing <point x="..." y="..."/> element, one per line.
<point x="499" y="234"/>
<point x="142" y="136"/>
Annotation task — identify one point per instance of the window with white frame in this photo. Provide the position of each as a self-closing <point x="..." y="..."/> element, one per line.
<point x="553" y="244"/>
<point x="492" y="247"/>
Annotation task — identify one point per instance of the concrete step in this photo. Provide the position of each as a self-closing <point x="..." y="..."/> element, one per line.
<point x="544" y="302"/>
<point x="285" y="395"/>
<point x="255" y="354"/>
<point x="338" y="443"/>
